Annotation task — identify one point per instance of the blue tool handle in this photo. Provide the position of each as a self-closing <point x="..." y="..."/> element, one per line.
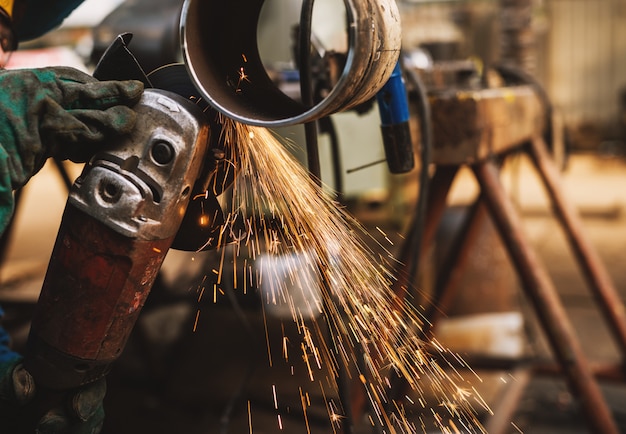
<point x="393" y="106"/>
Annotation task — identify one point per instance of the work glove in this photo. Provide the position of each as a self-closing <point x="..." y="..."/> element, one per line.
<point x="57" y="112"/>
<point x="78" y="411"/>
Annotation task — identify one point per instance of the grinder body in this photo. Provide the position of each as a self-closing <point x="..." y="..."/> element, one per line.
<point x="120" y="220"/>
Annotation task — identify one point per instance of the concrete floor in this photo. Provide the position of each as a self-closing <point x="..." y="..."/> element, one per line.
<point x="218" y="379"/>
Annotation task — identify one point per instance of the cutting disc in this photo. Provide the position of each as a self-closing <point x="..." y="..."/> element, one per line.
<point x="175" y="78"/>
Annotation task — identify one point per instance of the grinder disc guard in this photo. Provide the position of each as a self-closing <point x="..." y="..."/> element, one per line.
<point x="204" y="218"/>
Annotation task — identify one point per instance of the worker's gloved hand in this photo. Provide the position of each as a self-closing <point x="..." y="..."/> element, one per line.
<point x="79" y="412"/>
<point x="16" y="390"/>
<point x="56" y="112"/>
<point x="76" y="412"/>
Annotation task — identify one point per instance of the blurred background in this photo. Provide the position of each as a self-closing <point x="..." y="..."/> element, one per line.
<point x="187" y="373"/>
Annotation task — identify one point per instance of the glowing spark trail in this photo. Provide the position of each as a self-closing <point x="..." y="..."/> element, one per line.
<point x="276" y="209"/>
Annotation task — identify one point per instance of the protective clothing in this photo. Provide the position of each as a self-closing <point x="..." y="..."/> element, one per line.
<point x="41" y="16"/>
<point x="7" y="6"/>
<point x="7" y="356"/>
<point x="56" y="112"/>
<point x="8" y="41"/>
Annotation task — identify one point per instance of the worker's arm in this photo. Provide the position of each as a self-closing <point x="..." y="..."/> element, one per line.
<point x="15" y="388"/>
<point x="56" y="112"/>
<point x="6" y="354"/>
<point x="67" y="114"/>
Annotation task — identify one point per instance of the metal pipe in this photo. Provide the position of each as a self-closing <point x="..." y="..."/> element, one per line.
<point x="219" y="44"/>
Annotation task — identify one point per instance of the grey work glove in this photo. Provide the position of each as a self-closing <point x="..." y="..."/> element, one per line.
<point x="56" y="112"/>
<point x="77" y="411"/>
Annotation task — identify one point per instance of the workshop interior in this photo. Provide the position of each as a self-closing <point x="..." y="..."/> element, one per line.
<point x="358" y="216"/>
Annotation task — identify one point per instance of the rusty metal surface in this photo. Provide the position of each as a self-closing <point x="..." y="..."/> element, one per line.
<point x="438" y="192"/>
<point x="593" y="268"/>
<point x="471" y="125"/>
<point x="544" y="297"/>
<point x="95" y="287"/>
<point x="452" y="272"/>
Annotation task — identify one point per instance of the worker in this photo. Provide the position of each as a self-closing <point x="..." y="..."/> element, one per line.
<point x="55" y="112"/>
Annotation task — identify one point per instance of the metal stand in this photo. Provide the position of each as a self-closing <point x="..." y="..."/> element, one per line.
<point x="538" y="287"/>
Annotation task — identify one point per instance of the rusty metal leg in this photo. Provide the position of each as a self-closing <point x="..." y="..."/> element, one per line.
<point x="437" y="197"/>
<point x="596" y="274"/>
<point x="542" y="293"/>
<point x="448" y="279"/>
<point x="407" y="274"/>
<point x="438" y="193"/>
<point x="508" y="402"/>
<point x="451" y="272"/>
